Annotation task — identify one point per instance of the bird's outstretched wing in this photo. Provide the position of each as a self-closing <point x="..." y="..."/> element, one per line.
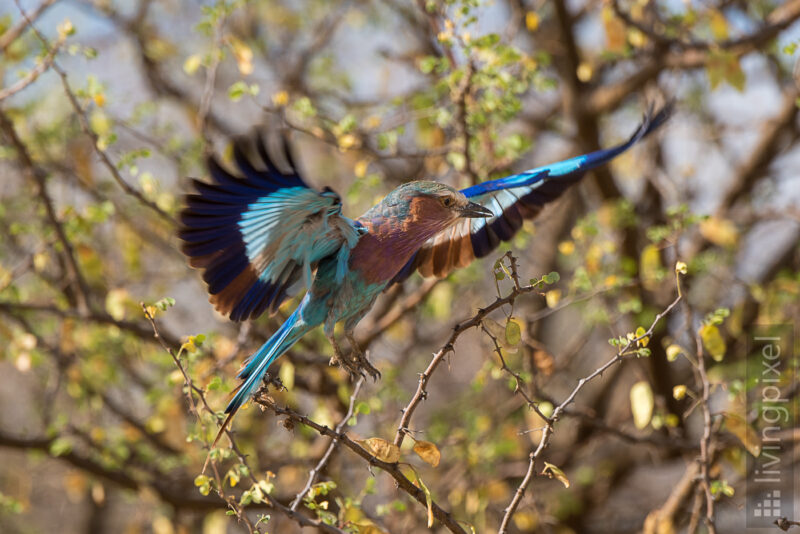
<point x="258" y="237"/>
<point x="512" y="199"/>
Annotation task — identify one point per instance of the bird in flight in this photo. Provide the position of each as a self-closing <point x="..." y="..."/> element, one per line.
<point x="265" y="236"/>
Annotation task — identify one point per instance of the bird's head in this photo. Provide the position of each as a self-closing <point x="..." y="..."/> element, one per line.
<point x="431" y="206"/>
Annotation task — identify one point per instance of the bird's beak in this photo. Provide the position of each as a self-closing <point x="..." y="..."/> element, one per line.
<point x="474" y="211"/>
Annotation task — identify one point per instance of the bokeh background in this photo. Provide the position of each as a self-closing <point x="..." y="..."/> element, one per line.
<point x="107" y="107"/>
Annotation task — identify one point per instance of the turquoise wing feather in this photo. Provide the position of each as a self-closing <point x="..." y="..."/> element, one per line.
<point x="259" y="237"/>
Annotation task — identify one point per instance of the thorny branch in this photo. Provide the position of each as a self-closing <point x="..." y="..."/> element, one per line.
<point x="314" y="473"/>
<point x="550" y="422"/>
<point x="425" y="376"/>
<point x="393" y="469"/>
<point x="191" y="391"/>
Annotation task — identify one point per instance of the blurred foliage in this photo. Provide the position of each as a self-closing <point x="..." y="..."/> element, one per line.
<point x="107" y="107"/>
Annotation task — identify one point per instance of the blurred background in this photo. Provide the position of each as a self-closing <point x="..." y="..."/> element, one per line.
<point x="108" y="107"/>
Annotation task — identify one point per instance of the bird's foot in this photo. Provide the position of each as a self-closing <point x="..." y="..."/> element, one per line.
<point x="275" y="381"/>
<point x="361" y="359"/>
<point x="365" y="365"/>
<point x="352" y="367"/>
<point x="340" y="360"/>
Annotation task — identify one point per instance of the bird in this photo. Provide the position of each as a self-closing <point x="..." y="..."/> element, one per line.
<point x="266" y="235"/>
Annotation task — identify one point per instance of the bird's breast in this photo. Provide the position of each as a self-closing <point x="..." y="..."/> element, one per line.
<point x="386" y="248"/>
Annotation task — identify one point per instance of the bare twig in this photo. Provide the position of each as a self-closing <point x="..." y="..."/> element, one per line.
<point x="44" y="64"/>
<point x="38" y="176"/>
<point x="314" y="473"/>
<point x="211" y="78"/>
<point x="84" y="122"/>
<point x="705" y="440"/>
<point x="448" y="347"/>
<point x="548" y="430"/>
<point x="10" y="35"/>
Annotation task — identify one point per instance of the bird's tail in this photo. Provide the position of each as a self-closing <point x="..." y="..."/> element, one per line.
<point x="256" y="366"/>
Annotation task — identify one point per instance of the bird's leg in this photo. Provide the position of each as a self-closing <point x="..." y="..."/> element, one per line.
<point x="342" y="361"/>
<point x="360" y="357"/>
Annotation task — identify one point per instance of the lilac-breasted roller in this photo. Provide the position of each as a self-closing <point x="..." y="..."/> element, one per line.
<point x="266" y="236"/>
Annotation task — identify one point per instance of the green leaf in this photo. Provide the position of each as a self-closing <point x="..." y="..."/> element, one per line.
<point x="60" y="447"/>
<point x="513" y="332"/>
<point x="551" y="278"/>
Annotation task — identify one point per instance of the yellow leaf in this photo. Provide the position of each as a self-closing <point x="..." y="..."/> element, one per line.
<point x="373" y="121"/>
<point x="428" y="500"/>
<point x="719" y="26"/>
<point x="593" y="258"/>
<point x="655" y="523"/>
<point x="40" y="261"/>
<point x="348" y="141"/>
<point x="115" y="303"/>
<point x="644" y="340"/>
<point x="725" y="66"/>
<point x="286" y="374"/>
<point x="368" y="527"/>
<point x="280" y="99"/>
<point x="65" y="28"/>
<point x="712" y="339"/>
<point x="556" y="473"/>
<point x="721" y="232"/>
<point x="673" y="351"/>
<point x="192" y="63"/>
<point x="428" y="452"/>
<point x="584" y="72"/>
<point x="650" y="267"/>
<point x="736" y="425"/>
<point x="552" y="297"/>
<point x="641" y="404"/>
<point x="381" y="449"/>
<point x="360" y="169"/>
<point x="566" y="247"/>
<point x="243" y="55"/>
<point x="100" y="123"/>
<point x="532" y="21"/>
<point x="636" y="37"/>
<point x="615" y="30"/>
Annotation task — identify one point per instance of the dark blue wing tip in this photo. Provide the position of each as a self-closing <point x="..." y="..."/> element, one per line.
<point x="653" y="121"/>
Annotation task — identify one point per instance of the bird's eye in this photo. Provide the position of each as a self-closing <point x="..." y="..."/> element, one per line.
<point x="448" y="202"/>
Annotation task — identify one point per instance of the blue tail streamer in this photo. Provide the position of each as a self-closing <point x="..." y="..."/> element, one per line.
<point x="287" y="335"/>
